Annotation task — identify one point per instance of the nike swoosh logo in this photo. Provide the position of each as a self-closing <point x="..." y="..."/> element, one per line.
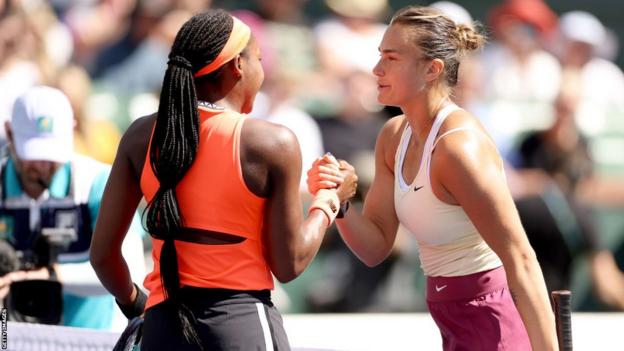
<point x="438" y="289"/>
<point x="418" y="188"/>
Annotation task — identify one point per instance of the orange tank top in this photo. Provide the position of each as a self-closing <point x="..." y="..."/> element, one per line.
<point x="213" y="196"/>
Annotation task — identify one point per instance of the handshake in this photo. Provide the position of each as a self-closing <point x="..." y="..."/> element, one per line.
<point x="332" y="183"/>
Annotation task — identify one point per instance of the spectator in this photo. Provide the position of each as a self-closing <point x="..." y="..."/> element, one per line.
<point x="469" y="93"/>
<point x="139" y="71"/>
<point x="278" y="106"/>
<point x="521" y="79"/>
<point x="18" y="68"/>
<point x="602" y="82"/>
<point x="93" y="135"/>
<point x="348" y="40"/>
<point x="41" y="171"/>
<point x="552" y="215"/>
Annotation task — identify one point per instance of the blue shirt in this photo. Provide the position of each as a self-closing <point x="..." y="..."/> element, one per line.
<point x="78" y="311"/>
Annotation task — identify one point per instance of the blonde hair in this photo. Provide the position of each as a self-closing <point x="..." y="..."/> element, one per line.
<point x="439" y="37"/>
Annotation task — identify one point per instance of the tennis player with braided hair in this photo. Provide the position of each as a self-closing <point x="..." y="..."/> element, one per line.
<point x="439" y="176"/>
<point x="223" y="211"/>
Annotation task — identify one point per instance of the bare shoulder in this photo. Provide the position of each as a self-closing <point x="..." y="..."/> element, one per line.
<point x="135" y="141"/>
<point x="139" y="132"/>
<point x="393" y="128"/>
<point x="471" y="147"/>
<point x="461" y="119"/>
<point x="389" y="139"/>
<point x="266" y="140"/>
<point x="465" y="164"/>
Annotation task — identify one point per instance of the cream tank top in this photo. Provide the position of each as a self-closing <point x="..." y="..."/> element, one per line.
<point x="449" y="244"/>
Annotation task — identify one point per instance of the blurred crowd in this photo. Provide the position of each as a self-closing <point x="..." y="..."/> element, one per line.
<point x="546" y="88"/>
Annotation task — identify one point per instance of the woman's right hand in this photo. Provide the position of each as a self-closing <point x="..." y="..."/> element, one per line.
<point x="328" y="173"/>
<point x="347" y="189"/>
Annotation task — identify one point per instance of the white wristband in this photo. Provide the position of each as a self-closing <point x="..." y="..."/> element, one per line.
<point x="326" y="201"/>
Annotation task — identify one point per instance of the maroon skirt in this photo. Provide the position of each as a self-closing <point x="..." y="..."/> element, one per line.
<point x="476" y="312"/>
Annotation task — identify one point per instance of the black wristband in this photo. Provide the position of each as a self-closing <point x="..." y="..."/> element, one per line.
<point x="344" y="207"/>
<point x="52" y="273"/>
<point x="137" y="307"/>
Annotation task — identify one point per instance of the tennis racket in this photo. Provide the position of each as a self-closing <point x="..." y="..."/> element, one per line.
<point x="563" y="318"/>
<point x="130" y="339"/>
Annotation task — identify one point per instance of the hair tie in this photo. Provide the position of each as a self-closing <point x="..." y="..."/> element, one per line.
<point x="180" y="61"/>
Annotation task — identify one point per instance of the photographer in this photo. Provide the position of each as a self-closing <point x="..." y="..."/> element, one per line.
<point x="49" y="201"/>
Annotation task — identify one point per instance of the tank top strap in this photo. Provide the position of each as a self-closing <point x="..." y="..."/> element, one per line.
<point x="433" y="133"/>
<point x="478" y="132"/>
<point x="437" y="124"/>
<point x="454" y="130"/>
<point x="400" y="154"/>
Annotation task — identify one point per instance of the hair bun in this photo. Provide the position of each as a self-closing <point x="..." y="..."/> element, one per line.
<point x="468" y="38"/>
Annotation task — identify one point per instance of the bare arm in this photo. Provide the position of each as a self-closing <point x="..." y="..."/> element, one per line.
<point x="468" y="169"/>
<point x="607" y="278"/>
<point x="121" y="198"/>
<point x="293" y="240"/>
<point x="601" y="191"/>
<point x="371" y="235"/>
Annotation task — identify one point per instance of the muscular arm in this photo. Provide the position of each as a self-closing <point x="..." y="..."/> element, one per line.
<point x="469" y="171"/>
<point x="371" y="235"/>
<point x="121" y="197"/>
<point x="293" y="240"/>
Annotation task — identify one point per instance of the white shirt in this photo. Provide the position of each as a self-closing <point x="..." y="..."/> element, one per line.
<point x="449" y="244"/>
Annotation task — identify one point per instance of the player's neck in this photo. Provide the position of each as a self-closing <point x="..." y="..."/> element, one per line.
<point x="226" y="93"/>
<point x="421" y="116"/>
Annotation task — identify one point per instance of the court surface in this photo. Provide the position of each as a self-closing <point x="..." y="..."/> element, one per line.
<point x="316" y="332"/>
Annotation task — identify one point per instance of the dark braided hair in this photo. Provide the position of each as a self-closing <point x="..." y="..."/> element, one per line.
<point x="176" y="139"/>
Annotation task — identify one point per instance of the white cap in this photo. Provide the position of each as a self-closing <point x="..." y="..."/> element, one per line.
<point x="582" y="26"/>
<point x="358" y="8"/>
<point x="454" y="11"/>
<point x="43" y="125"/>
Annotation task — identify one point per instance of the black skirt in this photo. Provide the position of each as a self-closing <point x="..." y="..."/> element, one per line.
<point x="224" y="320"/>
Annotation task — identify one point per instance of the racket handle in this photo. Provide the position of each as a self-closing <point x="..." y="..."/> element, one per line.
<point x="563" y="318"/>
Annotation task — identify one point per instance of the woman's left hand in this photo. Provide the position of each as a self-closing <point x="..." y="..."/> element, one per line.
<point x="324" y="174"/>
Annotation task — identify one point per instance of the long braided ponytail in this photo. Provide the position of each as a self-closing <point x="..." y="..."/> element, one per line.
<point x="175" y="142"/>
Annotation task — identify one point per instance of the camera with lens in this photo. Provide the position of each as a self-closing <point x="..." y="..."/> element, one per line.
<point x="40" y="235"/>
